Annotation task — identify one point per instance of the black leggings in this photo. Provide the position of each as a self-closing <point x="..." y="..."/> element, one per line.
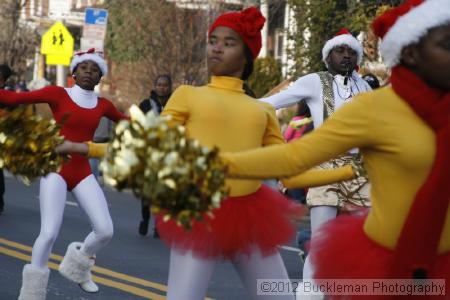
<point x="145" y="210"/>
<point x="2" y="184"/>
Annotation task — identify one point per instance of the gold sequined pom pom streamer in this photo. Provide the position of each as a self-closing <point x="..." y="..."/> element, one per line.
<point x="27" y="144"/>
<point x="183" y="179"/>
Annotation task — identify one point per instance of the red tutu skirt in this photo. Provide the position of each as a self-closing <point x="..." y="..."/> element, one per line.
<point x="262" y="219"/>
<point x="342" y="250"/>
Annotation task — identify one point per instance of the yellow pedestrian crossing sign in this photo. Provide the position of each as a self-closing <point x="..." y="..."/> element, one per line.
<point x="57" y="44"/>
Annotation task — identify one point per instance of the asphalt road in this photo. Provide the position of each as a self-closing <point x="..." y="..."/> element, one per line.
<point x="130" y="267"/>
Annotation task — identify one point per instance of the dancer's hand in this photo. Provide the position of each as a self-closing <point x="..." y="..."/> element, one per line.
<point x="281" y="188"/>
<point x="69" y="147"/>
<point x="359" y="170"/>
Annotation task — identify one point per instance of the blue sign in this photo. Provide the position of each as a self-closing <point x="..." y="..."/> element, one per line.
<point x="96" y="16"/>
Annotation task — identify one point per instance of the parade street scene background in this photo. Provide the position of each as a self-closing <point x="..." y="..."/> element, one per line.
<point x="224" y="149"/>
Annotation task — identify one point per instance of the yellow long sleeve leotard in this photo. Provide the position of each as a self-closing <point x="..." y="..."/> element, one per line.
<point x="398" y="149"/>
<point x="221" y="114"/>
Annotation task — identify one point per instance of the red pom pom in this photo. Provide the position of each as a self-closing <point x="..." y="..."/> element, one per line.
<point x="247" y="23"/>
<point x="252" y="18"/>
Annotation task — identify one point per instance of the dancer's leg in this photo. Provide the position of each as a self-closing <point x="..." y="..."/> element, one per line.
<point x="2" y="190"/>
<point x="319" y="215"/>
<point x="255" y="266"/>
<point x="52" y="200"/>
<point x="92" y="200"/>
<point x="145" y="212"/>
<point x="189" y="276"/>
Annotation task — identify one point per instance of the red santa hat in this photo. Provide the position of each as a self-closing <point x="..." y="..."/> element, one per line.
<point x="343" y="37"/>
<point x="407" y="24"/>
<point x="91" y="54"/>
<point x="247" y="23"/>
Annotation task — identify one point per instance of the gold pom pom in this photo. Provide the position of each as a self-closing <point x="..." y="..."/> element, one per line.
<point x="183" y="179"/>
<point x="27" y="144"/>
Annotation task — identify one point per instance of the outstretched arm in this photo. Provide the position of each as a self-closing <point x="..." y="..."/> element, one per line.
<point x="309" y="178"/>
<point x="49" y="95"/>
<point x="303" y="88"/>
<point x="114" y="114"/>
<point x="349" y="127"/>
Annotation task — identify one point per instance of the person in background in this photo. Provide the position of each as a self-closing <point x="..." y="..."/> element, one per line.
<point x="372" y="80"/>
<point x="299" y="125"/>
<point x="162" y="89"/>
<point x="5" y="73"/>
<point x="21" y="86"/>
<point x="296" y="127"/>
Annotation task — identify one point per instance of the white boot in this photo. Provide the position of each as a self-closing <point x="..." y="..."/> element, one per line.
<point x="305" y="292"/>
<point x="76" y="266"/>
<point x="34" y="283"/>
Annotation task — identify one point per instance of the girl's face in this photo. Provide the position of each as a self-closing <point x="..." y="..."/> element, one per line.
<point x="430" y="59"/>
<point x="225" y="53"/>
<point x="162" y="87"/>
<point x="87" y="75"/>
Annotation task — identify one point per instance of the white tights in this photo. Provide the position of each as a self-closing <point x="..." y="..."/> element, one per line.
<point x="319" y="215"/>
<point x="52" y="199"/>
<point x="189" y="275"/>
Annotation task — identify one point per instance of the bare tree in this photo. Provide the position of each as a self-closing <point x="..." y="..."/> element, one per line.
<point x="150" y="37"/>
<point x="17" y="41"/>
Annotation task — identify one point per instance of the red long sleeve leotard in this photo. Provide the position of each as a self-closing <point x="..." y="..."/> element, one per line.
<point x="79" y="125"/>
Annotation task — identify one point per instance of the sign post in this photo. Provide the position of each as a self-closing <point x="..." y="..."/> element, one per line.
<point x="57" y="45"/>
<point x="94" y="29"/>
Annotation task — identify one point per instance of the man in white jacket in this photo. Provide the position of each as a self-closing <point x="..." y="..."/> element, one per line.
<point x="324" y="92"/>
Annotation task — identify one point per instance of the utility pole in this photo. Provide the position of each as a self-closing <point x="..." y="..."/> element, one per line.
<point x="61" y="70"/>
<point x="264" y="7"/>
<point x="61" y="75"/>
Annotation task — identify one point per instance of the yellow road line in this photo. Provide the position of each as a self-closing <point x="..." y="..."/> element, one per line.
<point x="128" y="288"/>
<point x="96" y="269"/>
<point x="111" y="283"/>
<point x="26" y="248"/>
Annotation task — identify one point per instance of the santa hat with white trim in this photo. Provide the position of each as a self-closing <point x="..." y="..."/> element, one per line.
<point x="343" y="37"/>
<point x="407" y="24"/>
<point x="91" y="54"/>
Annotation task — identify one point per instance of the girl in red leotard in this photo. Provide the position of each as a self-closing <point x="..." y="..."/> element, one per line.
<point x="82" y="109"/>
